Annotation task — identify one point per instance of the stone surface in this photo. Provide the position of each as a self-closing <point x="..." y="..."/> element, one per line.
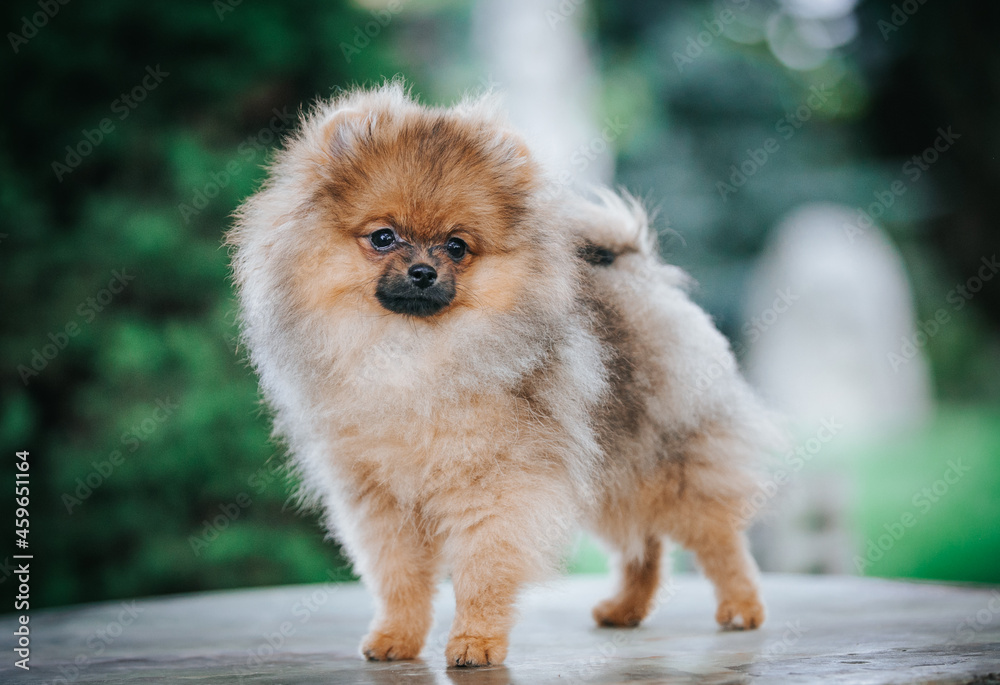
<point x="830" y="629"/>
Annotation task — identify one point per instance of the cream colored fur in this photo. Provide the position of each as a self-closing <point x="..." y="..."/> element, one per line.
<point x="553" y="393"/>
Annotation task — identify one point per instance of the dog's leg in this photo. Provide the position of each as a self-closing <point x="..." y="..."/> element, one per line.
<point x="401" y="568"/>
<point x="640" y="579"/>
<point x="724" y="556"/>
<point x="494" y="558"/>
<point x="486" y="586"/>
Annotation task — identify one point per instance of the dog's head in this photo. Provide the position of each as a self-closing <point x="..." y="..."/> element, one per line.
<point x="413" y="211"/>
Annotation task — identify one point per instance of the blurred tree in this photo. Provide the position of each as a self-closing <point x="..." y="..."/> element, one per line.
<point x="940" y="69"/>
<point x="848" y="95"/>
<point x="131" y="133"/>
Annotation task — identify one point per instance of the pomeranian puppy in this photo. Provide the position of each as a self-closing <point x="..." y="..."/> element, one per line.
<point x="466" y="365"/>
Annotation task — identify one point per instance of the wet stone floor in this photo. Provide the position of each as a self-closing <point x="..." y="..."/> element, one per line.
<point x="819" y="629"/>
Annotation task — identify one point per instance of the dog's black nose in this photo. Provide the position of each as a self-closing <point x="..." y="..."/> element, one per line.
<point x="423" y="275"/>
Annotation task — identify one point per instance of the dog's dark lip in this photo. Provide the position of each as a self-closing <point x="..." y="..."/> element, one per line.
<point x="413" y="306"/>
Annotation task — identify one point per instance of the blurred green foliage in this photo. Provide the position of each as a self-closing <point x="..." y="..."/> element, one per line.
<point x="120" y="485"/>
<point x="928" y="505"/>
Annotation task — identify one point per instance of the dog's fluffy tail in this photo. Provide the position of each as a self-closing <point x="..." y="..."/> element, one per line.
<point x="611" y="225"/>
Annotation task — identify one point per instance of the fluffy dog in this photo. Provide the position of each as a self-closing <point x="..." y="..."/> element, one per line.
<point x="466" y="365"/>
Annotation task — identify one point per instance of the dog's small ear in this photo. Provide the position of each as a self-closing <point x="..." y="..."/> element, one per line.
<point x="344" y="127"/>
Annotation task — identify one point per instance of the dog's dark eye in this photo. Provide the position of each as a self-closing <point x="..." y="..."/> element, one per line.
<point x="456" y="248"/>
<point x="383" y="239"/>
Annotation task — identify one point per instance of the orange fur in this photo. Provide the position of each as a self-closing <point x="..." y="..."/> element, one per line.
<point x="557" y="381"/>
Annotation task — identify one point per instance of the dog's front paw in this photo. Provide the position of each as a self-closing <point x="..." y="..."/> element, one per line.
<point x="475" y="650"/>
<point x="740" y="614"/>
<point x="379" y="646"/>
<point x="614" y="613"/>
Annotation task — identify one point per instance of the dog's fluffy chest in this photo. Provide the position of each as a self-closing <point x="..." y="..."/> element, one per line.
<point x="418" y="451"/>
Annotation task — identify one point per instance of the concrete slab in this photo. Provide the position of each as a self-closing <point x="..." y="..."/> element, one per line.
<point x="819" y="629"/>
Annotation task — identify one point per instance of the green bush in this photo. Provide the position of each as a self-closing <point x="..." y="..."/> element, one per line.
<point x="75" y="222"/>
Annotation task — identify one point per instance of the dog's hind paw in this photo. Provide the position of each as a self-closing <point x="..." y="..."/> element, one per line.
<point x="613" y="613"/>
<point x="744" y="614"/>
